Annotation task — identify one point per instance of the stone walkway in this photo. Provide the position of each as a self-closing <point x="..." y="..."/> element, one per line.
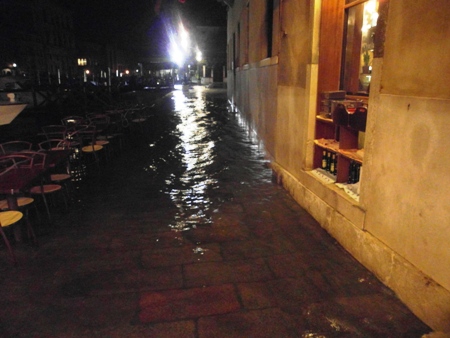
<point x="254" y="264"/>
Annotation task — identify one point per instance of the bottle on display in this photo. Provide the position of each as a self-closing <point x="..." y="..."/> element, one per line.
<point x="353" y="176"/>
<point x="328" y="160"/>
<point x="333" y="163"/>
<point x="334" y="159"/>
<point x="324" y="160"/>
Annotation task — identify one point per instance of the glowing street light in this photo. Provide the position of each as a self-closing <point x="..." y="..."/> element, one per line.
<point x="198" y="55"/>
<point x="179" y="45"/>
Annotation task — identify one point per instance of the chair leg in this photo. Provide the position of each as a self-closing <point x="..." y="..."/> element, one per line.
<point x="30" y="230"/>
<point x="8" y="245"/>
<point x="47" y="207"/>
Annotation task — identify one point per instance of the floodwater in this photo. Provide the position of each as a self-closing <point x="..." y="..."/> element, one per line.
<point x="201" y="146"/>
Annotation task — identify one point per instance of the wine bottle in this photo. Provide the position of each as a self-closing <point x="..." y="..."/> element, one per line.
<point x="332" y="163"/>
<point x="351" y="173"/>
<point x="328" y="160"/>
<point x="324" y="160"/>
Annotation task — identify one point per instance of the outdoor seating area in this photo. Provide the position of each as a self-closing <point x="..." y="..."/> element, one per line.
<point x="39" y="175"/>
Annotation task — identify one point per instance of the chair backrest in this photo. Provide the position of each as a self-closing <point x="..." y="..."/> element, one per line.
<point x="15" y="146"/>
<point x="84" y="133"/>
<point x="39" y="158"/>
<point x="117" y="120"/>
<point x="70" y="121"/>
<point x="55" y="131"/>
<point x="101" y="122"/>
<point x="16" y="160"/>
<point x="54" y="144"/>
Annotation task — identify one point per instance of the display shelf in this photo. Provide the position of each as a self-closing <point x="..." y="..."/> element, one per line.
<point x="339" y="134"/>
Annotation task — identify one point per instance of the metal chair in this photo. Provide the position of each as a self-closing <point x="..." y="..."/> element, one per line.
<point x="24" y="204"/>
<point x="89" y="150"/>
<point x="63" y="178"/>
<point x="15" y="146"/>
<point x="55" y="131"/>
<point x="44" y="189"/>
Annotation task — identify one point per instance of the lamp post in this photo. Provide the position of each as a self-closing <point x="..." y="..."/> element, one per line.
<point x="198" y="58"/>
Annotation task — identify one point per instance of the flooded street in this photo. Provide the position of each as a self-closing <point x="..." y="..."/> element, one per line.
<point x="201" y="151"/>
<point x="184" y="234"/>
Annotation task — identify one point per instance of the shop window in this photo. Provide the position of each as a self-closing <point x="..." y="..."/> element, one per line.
<point x="359" y="29"/>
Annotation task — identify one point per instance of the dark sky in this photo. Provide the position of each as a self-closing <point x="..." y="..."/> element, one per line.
<point x="139" y="23"/>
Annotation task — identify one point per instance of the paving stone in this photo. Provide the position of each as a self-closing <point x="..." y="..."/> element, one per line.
<point x="215" y="273"/>
<point x="188" y="303"/>
<point x="185" y="254"/>
<point x="266" y="323"/>
<point x="255" y="248"/>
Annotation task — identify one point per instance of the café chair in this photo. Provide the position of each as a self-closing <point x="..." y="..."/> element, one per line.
<point x="137" y="116"/>
<point x="89" y="149"/>
<point x="72" y="121"/>
<point x="102" y="128"/>
<point x="15" y="160"/>
<point x="118" y="124"/>
<point x="44" y="189"/>
<point x="15" y="146"/>
<point x="24" y="204"/>
<point x="62" y="178"/>
<point x="8" y="218"/>
<point x="54" y="144"/>
<point x="55" y="131"/>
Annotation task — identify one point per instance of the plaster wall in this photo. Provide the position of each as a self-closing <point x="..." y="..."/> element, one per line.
<point x="404" y="191"/>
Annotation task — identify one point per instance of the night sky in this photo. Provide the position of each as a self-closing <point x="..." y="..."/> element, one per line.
<point x="141" y="24"/>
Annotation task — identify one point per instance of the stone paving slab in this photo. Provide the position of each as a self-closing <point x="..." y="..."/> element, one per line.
<point x="187" y="303"/>
<point x="216" y="273"/>
<point x="261" y="323"/>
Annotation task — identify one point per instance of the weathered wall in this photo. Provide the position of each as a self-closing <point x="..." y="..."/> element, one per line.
<point x="405" y="184"/>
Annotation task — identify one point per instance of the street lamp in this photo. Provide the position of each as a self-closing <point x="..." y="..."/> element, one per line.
<point x="198" y="58"/>
<point x="86" y="73"/>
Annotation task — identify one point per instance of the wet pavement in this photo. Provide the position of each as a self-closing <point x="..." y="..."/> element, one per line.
<point x="184" y="234"/>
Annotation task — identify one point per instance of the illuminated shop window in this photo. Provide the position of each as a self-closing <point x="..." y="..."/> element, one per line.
<point x="359" y="31"/>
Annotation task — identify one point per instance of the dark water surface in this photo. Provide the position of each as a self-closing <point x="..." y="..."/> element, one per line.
<point x="194" y="152"/>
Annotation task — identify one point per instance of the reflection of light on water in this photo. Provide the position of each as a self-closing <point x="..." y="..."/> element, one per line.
<point x="192" y="199"/>
<point x="257" y="145"/>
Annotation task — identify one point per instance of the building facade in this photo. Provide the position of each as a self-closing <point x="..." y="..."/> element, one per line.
<point x="290" y="62"/>
<point x="37" y="39"/>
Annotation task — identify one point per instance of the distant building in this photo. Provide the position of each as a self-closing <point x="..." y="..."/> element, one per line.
<point x="37" y="39"/>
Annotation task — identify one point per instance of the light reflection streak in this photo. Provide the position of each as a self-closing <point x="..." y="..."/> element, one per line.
<point x="191" y="198"/>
